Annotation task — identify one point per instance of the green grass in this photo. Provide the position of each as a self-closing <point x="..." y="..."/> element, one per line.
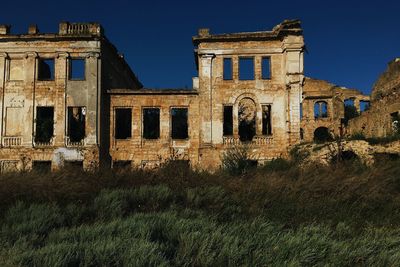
<point x="275" y="215"/>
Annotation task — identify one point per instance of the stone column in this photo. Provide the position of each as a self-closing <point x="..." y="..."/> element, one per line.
<point x="60" y="116"/>
<point x="3" y="57"/>
<point x="206" y="94"/>
<point x="93" y="98"/>
<point x="29" y="92"/>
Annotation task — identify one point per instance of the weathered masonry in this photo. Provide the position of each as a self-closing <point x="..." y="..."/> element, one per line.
<point x="53" y="105"/>
<point x="248" y="90"/>
<point x="70" y="99"/>
<point x="326" y="107"/>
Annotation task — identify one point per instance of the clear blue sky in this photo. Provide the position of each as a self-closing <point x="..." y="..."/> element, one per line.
<point x="349" y="42"/>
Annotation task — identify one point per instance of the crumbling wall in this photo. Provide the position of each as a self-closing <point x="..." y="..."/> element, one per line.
<point x="379" y="120"/>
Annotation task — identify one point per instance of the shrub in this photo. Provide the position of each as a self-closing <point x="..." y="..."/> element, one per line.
<point x="278" y="164"/>
<point x="238" y="160"/>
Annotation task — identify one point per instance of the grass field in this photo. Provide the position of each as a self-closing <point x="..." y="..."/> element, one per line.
<point x="278" y="215"/>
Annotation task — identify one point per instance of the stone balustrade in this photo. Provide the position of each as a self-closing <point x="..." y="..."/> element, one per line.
<point x="11" y="141"/>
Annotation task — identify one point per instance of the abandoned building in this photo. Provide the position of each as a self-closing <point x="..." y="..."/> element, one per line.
<point x="383" y="118"/>
<point x="326" y="109"/>
<point x="70" y="99"/>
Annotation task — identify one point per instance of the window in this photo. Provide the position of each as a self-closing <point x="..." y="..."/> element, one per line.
<point x="349" y="102"/>
<point x="179" y="121"/>
<point x="227" y="68"/>
<point x="16" y="71"/>
<point x="45" y="69"/>
<point x="44" y="124"/>
<point x="76" y="123"/>
<point x="228" y="120"/>
<point x="122" y="165"/>
<point x="266" y="120"/>
<point x="320" y="109"/>
<point x="246" y="68"/>
<point x="151" y="123"/>
<point x="77" y="69"/>
<point x="364" y="105"/>
<point x="266" y="68"/>
<point x="42" y="166"/>
<point x="74" y="165"/>
<point x="123" y="123"/>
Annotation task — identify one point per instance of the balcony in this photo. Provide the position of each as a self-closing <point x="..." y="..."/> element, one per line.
<point x="70" y="143"/>
<point x="11" y="141"/>
<point x="257" y="140"/>
<point x="49" y="143"/>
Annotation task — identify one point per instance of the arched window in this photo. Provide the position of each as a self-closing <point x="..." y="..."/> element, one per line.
<point x="247" y="119"/>
<point x="320" y="109"/>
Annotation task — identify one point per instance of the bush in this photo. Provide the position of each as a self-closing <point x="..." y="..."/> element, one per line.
<point x="278" y="164"/>
<point x="238" y="160"/>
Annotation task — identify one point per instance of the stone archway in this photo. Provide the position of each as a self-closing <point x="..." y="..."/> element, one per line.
<point x="322" y="134"/>
<point x="247" y="119"/>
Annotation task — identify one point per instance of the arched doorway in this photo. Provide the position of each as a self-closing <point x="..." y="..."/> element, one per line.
<point x="322" y="134"/>
<point x="247" y="119"/>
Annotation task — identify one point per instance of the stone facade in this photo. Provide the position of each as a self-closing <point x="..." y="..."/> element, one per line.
<point x="273" y="90"/>
<point x="323" y="106"/>
<point x="382" y="119"/>
<point x="41" y="99"/>
<point x="250" y="90"/>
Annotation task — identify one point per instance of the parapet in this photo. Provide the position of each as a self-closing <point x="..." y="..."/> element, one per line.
<point x="92" y="29"/>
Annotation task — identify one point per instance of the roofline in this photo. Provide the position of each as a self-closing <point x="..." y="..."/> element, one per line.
<point x="287" y="27"/>
<point x="152" y="92"/>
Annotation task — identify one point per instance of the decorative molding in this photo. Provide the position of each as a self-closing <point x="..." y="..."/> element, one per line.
<point x="31" y="54"/>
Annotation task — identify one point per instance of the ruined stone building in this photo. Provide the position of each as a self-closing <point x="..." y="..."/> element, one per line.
<point x="53" y="101"/>
<point x="383" y="118"/>
<point x="323" y="109"/>
<point x="69" y="99"/>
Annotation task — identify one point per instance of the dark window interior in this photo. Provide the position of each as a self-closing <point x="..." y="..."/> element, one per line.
<point x="44" y="124"/>
<point x="123" y="123"/>
<point x="246" y="68"/>
<point x="76" y="123"/>
<point x="301" y="110"/>
<point x="41" y="166"/>
<point x="227" y="68"/>
<point x="266" y="120"/>
<point x="122" y="165"/>
<point x="179" y="123"/>
<point x="73" y="164"/>
<point x="46" y="69"/>
<point x="77" y="69"/>
<point x="266" y="68"/>
<point x="151" y="123"/>
<point x="228" y="120"/>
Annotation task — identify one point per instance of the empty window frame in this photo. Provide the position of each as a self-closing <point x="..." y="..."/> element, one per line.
<point x="16" y="70"/>
<point x="122" y="165"/>
<point x="266" y="68"/>
<point x="151" y="123"/>
<point x="227" y="68"/>
<point x="44" y="124"/>
<point x="45" y="69"/>
<point x="123" y="123"/>
<point x="228" y="121"/>
<point x="364" y="105"/>
<point x="76" y="123"/>
<point x="246" y="68"/>
<point x="77" y="69"/>
<point x="73" y="165"/>
<point x="266" y="120"/>
<point x="42" y="166"/>
<point x="320" y="109"/>
<point x="349" y="102"/>
<point x="179" y="123"/>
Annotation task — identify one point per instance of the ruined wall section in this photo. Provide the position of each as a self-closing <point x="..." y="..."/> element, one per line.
<point x="150" y="153"/>
<point x="322" y="91"/>
<point x="282" y="91"/>
<point x="382" y="119"/>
